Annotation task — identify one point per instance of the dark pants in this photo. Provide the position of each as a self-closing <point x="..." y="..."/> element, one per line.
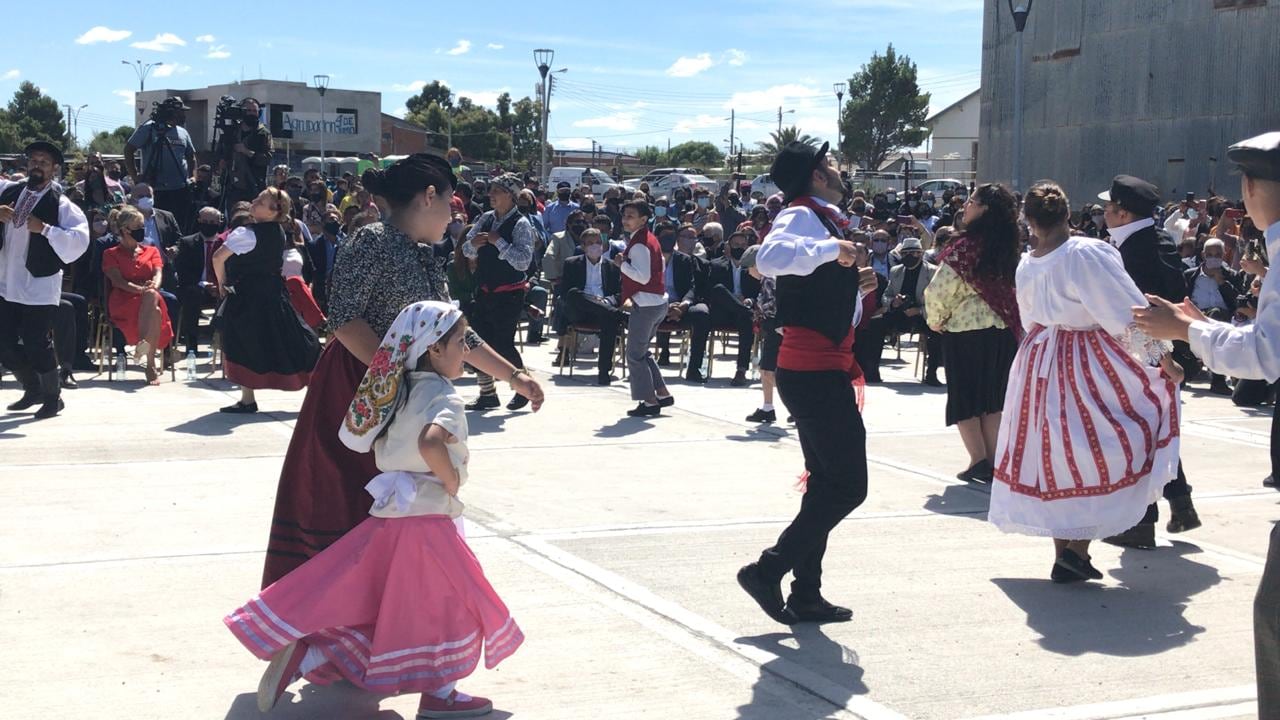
<point x="33" y="325"/>
<point x="1266" y="630"/>
<point x="537" y="297"/>
<point x="177" y="202"/>
<point x="591" y="310"/>
<point x="1174" y="489"/>
<point x="834" y="442"/>
<point x="494" y="318"/>
<point x="698" y="320"/>
<point x="870" y="346"/>
<point x="729" y="310"/>
<point x="1251" y="393"/>
<point x="1275" y="437"/>
<point x="193" y="299"/>
<point x="71" y="330"/>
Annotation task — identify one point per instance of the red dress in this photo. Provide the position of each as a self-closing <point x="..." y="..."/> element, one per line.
<point x="122" y="304"/>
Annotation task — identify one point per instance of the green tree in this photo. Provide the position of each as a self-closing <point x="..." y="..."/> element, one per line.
<point x="885" y="112"/>
<point x="651" y="155"/>
<point x="696" y="154"/>
<point x="30" y="116"/>
<point x="479" y="132"/>
<point x="436" y="92"/>
<point x="111" y="143"/>
<point x="779" y="139"/>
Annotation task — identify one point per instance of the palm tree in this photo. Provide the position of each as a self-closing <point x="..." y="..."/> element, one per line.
<point x="780" y="138"/>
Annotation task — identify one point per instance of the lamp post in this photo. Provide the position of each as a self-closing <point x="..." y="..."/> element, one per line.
<point x="780" y="114"/>
<point x="143" y="70"/>
<point x="73" y="120"/>
<point x="322" y="84"/>
<point x="1020" y="12"/>
<point x="839" y="88"/>
<point x="543" y="57"/>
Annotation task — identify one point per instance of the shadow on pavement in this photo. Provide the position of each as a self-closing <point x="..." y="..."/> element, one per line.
<point x="218" y="423"/>
<point x="812" y="651"/>
<point x="625" y="427"/>
<point x="316" y="701"/>
<point x="1142" y="617"/>
<point x="481" y="423"/>
<point x="961" y="501"/>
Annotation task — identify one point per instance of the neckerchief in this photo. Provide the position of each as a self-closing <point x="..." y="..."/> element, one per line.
<point x="834" y="216"/>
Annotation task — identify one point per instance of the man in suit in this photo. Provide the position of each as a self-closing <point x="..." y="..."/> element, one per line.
<point x="687" y="277"/>
<point x="904" y="312"/>
<point x="1216" y="290"/>
<point x="592" y="292"/>
<point x="731" y="295"/>
<point x="197" y="286"/>
<point x="1151" y="259"/>
<point x="323" y="249"/>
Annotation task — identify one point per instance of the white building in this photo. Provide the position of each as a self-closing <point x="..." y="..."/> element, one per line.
<point x="953" y="139"/>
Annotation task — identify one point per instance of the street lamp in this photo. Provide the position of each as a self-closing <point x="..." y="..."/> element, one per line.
<point x="543" y="57"/>
<point x="73" y="120"/>
<point x="839" y="88"/>
<point x="143" y="70"/>
<point x="321" y="84"/>
<point x="780" y="114"/>
<point x="1020" y="11"/>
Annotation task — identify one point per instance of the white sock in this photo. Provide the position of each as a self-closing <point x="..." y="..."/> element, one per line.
<point x="767" y="407"/>
<point x="444" y="692"/>
<point x="312" y="660"/>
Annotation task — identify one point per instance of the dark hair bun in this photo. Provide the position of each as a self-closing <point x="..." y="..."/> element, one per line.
<point x="1046" y="204"/>
<point x="373" y="180"/>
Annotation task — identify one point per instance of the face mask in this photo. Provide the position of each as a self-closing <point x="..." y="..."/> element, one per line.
<point x="686" y="245"/>
<point x="704" y="202"/>
<point x="114" y="174"/>
<point x="595" y="251"/>
<point x="146" y="204"/>
<point x="892" y="197"/>
<point x="332" y="227"/>
<point x="209" y="229"/>
<point x="737" y="252"/>
<point x="524" y="209"/>
<point x="577" y="229"/>
<point x="138" y="234"/>
<point x="1193" y="215"/>
<point x="589" y="209"/>
<point x="660" y="211"/>
<point x="563" y="195"/>
<point x="317" y="196"/>
<point x="860" y="208"/>
<point x="1212" y="263"/>
<point x="668" y="243"/>
<point x="911" y="260"/>
<point x="880" y="247"/>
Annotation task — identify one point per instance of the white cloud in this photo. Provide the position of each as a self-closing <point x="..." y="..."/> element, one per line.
<point x="495" y="46"/>
<point x="164" y="42"/>
<point x="488" y="98"/>
<point x="616" y="121"/>
<point x="126" y="95"/>
<point x="10" y="75"/>
<point x="101" y="34"/>
<point x="735" y="57"/>
<point x="413" y="87"/>
<point x="690" y="66"/>
<point x="462" y="48"/>
<point x="701" y="122"/>
<point x="169" y="70"/>
<point x="793" y="96"/>
<point x="574" y="143"/>
<point x="218" y="52"/>
<point x="206" y="38"/>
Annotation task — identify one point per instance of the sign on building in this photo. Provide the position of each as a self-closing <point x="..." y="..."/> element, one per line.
<point x="287" y="123"/>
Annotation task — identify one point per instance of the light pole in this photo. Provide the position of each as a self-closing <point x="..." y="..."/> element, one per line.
<point x="1020" y="12"/>
<point x="322" y="84"/>
<point x="143" y="70"/>
<point x="543" y="57"/>
<point x="73" y="119"/>
<point x="780" y="114"/>
<point x="839" y="88"/>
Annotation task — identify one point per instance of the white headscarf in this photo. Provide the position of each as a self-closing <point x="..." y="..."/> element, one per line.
<point x="383" y="389"/>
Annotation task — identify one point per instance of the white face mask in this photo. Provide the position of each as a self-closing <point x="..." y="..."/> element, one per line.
<point x="1212" y="263"/>
<point x="595" y="251"/>
<point x="146" y="204"/>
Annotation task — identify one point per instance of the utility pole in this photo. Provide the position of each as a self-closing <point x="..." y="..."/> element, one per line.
<point x="543" y="57"/>
<point x="322" y="84"/>
<point x="839" y="89"/>
<point x="68" y="144"/>
<point x="733" y="116"/>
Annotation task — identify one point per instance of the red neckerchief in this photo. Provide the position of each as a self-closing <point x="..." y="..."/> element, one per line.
<point x="961" y="254"/>
<point x="833" y="215"/>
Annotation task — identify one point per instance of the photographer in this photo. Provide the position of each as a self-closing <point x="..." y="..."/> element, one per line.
<point x="168" y="157"/>
<point x="244" y="151"/>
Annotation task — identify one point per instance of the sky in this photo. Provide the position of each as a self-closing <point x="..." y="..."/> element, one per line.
<point x="636" y="74"/>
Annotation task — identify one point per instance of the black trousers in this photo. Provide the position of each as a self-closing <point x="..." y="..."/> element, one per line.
<point x="727" y="309"/>
<point x="1266" y="629"/>
<point x="494" y="318"/>
<point x="1275" y="437"/>
<point x="1174" y="489"/>
<point x="537" y="297"/>
<point x="192" y="299"/>
<point x="834" y="442"/>
<point x="71" y="330"/>
<point x="1251" y="393"/>
<point x="33" y="325"/>
<point x="698" y="320"/>
<point x="177" y="202"/>
<point x="870" y="348"/>
<point x="591" y="310"/>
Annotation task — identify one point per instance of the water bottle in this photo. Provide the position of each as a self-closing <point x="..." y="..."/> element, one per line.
<point x="191" y="366"/>
<point x="121" y="363"/>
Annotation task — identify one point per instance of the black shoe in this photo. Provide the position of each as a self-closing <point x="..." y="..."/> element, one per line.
<point x="791" y="419"/>
<point x="1269" y="481"/>
<point x="872" y="379"/>
<point x="1070" y="567"/>
<point x="740" y="379"/>
<point x="1141" y="536"/>
<point x="667" y="401"/>
<point x="763" y="416"/>
<point x="980" y="472"/>
<point x="30" y="399"/>
<point x="606" y="379"/>
<point x="68" y="381"/>
<point x="695" y="376"/>
<point x="664" y="359"/>
<point x="817" y="611"/>
<point x="51" y="407"/>
<point x="1183" y="515"/>
<point x="562" y="358"/>
<point x="84" y="364"/>
<point x="484" y="402"/>
<point x="518" y="402"/>
<point x="534" y="340"/>
<point x="932" y="380"/>
<point x="240" y="408"/>
<point x="1219" y="386"/>
<point x="767" y="594"/>
<point x="643" y="410"/>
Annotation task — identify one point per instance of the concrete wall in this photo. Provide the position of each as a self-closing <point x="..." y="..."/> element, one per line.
<point x="1154" y="88"/>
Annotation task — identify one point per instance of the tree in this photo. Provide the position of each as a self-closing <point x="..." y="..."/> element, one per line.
<point x="30" y="116"/>
<point x="477" y="131"/>
<point x="436" y="92"/>
<point x="885" y="112"/>
<point x="651" y="156"/>
<point x="696" y="154"/>
<point x="779" y="139"/>
<point x="111" y="143"/>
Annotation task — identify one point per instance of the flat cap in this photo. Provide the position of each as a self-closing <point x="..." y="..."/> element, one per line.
<point x="1258" y="157"/>
<point x="749" y="257"/>
<point x="1133" y="194"/>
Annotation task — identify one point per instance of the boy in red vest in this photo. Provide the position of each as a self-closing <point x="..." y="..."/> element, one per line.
<point x="643" y="283"/>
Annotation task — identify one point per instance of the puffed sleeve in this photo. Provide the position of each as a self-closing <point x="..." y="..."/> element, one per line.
<point x="449" y="412"/>
<point x="241" y="240"/>
<point x="941" y="295"/>
<point x="1100" y="283"/>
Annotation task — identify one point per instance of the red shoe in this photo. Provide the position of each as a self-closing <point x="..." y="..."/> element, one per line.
<point x="282" y="671"/>
<point x="455" y="706"/>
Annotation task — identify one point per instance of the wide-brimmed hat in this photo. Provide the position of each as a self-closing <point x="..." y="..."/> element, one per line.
<point x="45" y="146"/>
<point x="794" y="165"/>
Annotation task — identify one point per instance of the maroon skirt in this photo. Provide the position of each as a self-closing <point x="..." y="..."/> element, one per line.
<point x="321" y="495"/>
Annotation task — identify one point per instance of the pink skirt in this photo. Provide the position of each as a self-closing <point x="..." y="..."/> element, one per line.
<point x="397" y="605"/>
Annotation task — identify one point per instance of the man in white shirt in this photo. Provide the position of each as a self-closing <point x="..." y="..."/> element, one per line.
<point x="43" y="233"/>
<point x="1252" y="352"/>
<point x="592" y="291"/>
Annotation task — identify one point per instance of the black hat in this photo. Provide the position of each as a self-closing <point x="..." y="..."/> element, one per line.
<point x="1258" y="157"/>
<point x="42" y="146"/>
<point x="1133" y="194"/>
<point x="794" y="165"/>
<point x="563" y="184"/>
<point x="174" y="103"/>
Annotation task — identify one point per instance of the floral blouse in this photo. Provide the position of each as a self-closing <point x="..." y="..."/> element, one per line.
<point x="378" y="272"/>
<point x="952" y="305"/>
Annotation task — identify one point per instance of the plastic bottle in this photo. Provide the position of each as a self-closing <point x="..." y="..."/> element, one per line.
<point x="191" y="366"/>
<point x="121" y="363"/>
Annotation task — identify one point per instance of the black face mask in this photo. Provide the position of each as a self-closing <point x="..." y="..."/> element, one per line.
<point x="589" y="209"/>
<point x="209" y="229"/>
<point x="563" y="195"/>
<point x="668" y="243"/>
<point x="577" y="229"/>
<point x="114" y="175"/>
<point x="317" y="196"/>
<point x="138" y="235"/>
<point x="524" y="209"/>
<point x="737" y="252"/>
<point x="911" y="261"/>
<point x="332" y="227"/>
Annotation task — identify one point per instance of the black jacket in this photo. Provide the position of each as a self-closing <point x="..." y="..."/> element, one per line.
<point x="1232" y="289"/>
<point x="691" y="276"/>
<point x="722" y="274"/>
<point x="189" y="264"/>
<point x="574" y="277"/>
<point x="1152" y="260"/>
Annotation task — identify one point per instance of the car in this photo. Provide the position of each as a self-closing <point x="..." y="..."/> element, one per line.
<point x="669" y="183"/>
<point x="764" y="184"/>
<point x="598" y="180"/>
<point x="937" y="187"/>
<point x="657" y="174"/>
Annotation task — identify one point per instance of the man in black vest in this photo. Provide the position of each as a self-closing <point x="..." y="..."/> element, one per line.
<point x="42" y="232"/>
<point x="821" y="297"/>
<point x="592" y="291"/>
<point x="1151" y="259"/>
<point x="501" y="243"/>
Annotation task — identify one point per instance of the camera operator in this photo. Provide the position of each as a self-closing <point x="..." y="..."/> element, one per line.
<point x="168" y="158"/>
<point x="248" y="150"/>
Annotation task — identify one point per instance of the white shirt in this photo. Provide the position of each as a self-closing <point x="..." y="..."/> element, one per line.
<point x="407" y="487"/>
<point x="1177" y="223"/>
<point x="595" y="279"/>
<point x="241" y="241"/>
<point x="1122" y="233"/>
<point x="636" y="267"/>
<point x="1079" y="286"/>
<point x="798" y="244"/>
<point x="1251" y="352"/>
<point x="150" y="233"/>
<point x="292" y="266"/>
<point x="1205" y="293"/>
<point x="69" y="240"/>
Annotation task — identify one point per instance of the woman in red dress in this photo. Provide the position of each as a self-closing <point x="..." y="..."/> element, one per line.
<point x="134" y="302"/>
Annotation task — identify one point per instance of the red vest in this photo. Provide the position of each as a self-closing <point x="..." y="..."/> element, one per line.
<point x="657" y="281"/>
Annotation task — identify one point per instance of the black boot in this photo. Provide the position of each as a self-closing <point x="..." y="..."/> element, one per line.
<point x="1141" y="536"/>
<point x="30" y="391"/>
<point x="50" y="395"/>
<point x="1183" y="516"/>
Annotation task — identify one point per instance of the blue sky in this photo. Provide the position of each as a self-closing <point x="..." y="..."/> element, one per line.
<point x="635" y="76"/>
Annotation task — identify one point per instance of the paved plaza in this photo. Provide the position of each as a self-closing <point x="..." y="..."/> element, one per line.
<point x="138" y="518"/>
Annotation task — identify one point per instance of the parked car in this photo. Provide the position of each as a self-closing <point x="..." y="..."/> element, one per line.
<point x="598" y="180"/>
<point x="764" y="184"/>
<point x="657" y="174"/>
<point x="937" y="187"/>
<point x="668" y="184"/>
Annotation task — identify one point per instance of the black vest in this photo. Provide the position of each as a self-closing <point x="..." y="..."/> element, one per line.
<point x="42" y="261"/>
<point x="491" y="270"/>
<point x="824" y="300"/>
<point x="264" y="261"/>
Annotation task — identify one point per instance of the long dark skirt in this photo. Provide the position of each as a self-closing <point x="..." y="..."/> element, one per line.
<point x="265" y="344"/>
<point x="321" y="494"/>
<point x="977" y="364"/>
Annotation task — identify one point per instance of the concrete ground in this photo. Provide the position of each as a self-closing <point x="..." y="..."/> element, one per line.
<point x="137" y="519"/>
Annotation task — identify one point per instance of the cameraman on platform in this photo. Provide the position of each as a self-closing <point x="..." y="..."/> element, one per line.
<point x="249" y="150"/>
<point x="168" y="158"/>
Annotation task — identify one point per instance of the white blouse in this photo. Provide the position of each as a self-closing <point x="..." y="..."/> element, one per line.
<point x="242" y="240"/>
<point x="407" y="487"/>
<point x="1081" y="285"/>
<point x="292" y="263"/>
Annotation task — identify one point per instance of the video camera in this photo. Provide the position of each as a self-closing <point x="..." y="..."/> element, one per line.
<point x="168" y="111"/>
<point x="227" y="117"/>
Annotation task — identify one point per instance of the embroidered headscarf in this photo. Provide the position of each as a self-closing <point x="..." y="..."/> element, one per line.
<point x="383" y="389"/>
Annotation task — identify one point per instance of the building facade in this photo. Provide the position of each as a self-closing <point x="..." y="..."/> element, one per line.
<point x="953" y="137"/>
<point x="1153" y="88"/>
